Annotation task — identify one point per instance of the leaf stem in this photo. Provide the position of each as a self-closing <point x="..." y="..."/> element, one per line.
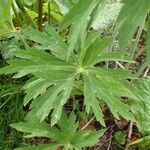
<point x="142" y="68"/>
<point x="31" y="20"/>
<point x="18" y="20"/>
<point x="22" y="39"/>
<point x="137" y="40"/>
<point x="88" y="123"/>
<point x="49" y="13"/>
<point x="23" y="10"/>
<point x="146" y="72"/>
<point x="40" y="12"/>
<point x="129" y="134"/>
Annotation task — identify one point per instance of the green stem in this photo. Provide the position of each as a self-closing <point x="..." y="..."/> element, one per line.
<point x="22" y="39"/>
<point x="49" y="13"/>
<point x="33" y="24"/>
<point x="18" y="20"/>
<point x="142" y="68"/>
<point x="137" y="40"/>
<point x="23" y="10"/>
<point x="40" y="12"/>
<point x="138" y="37"/>
<point x="146" y="63"/>
<point x="148" y="45"/>
<point x="114" y="38"/>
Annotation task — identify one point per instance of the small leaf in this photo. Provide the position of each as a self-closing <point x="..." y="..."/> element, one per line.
<point x="120" y="137"/>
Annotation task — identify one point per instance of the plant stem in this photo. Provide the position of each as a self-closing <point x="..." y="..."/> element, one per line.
<point x="138" y="37"/>
<point x="31" y="20"/>
<point x="40" y="12"/>
<point x="109" y="144"/>
<point x="120" y="65"/>
<point x="146" y="72"/>
<point x="22" y="39"/>
<point x="142" y="68"/>
<point x="49" y="13"/>
<point x="18" y="20"/>
<point x="23" y="10"/>
<point x="129" y="134"/>
<point x="137" y="40"/>
<point x="86" y="125"/>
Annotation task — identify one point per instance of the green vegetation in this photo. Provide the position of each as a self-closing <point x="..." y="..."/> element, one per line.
<point x="71" y="76"/>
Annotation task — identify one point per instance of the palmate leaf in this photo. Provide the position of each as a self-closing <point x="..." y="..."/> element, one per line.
<point x="56" y="80"/>
<point x="102" y="84"/>
<point x="53" y="78"/>
<point x="66" y="135"/>
<point x="105" y="90"/>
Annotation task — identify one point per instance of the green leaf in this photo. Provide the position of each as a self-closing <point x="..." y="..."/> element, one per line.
<point x="6" y="25"/>
<point x="79" y="16"/>
<point x="120" y="137"/>
<point x="66" y="135"/>
<point x="141" y="107"/>
<point x="64" y="6"/>
<point x="129" y="23"/>
<point x="115" y="56"/>
<point x="95" y="49"/>
<point x="53" y="83"/>
<point x="77" y="11"/>
<point x="91" y="100"/>
<point x="104" y="88"/>
<point x="48" y="40"/>
<point x="114" y="74"/>
<point x="54" y="79"/>
<point x="38" y="87"/>
<point x="55" y="97"/>
<point x="34" y="128"/>
<point x="87" y="138"/>
<point x="5" y="14"/>
<point x="29" y="2"/>
<point x="78" y="30"/>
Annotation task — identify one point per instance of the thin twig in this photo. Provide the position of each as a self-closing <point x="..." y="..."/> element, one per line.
<point x="146" y="72"/>
<point x="129" y="134"/>
<point x="142" y="68"/>
<point x="120" y="65"/>
<point x="109" y="144"/>
<point x="88" y="123"/>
